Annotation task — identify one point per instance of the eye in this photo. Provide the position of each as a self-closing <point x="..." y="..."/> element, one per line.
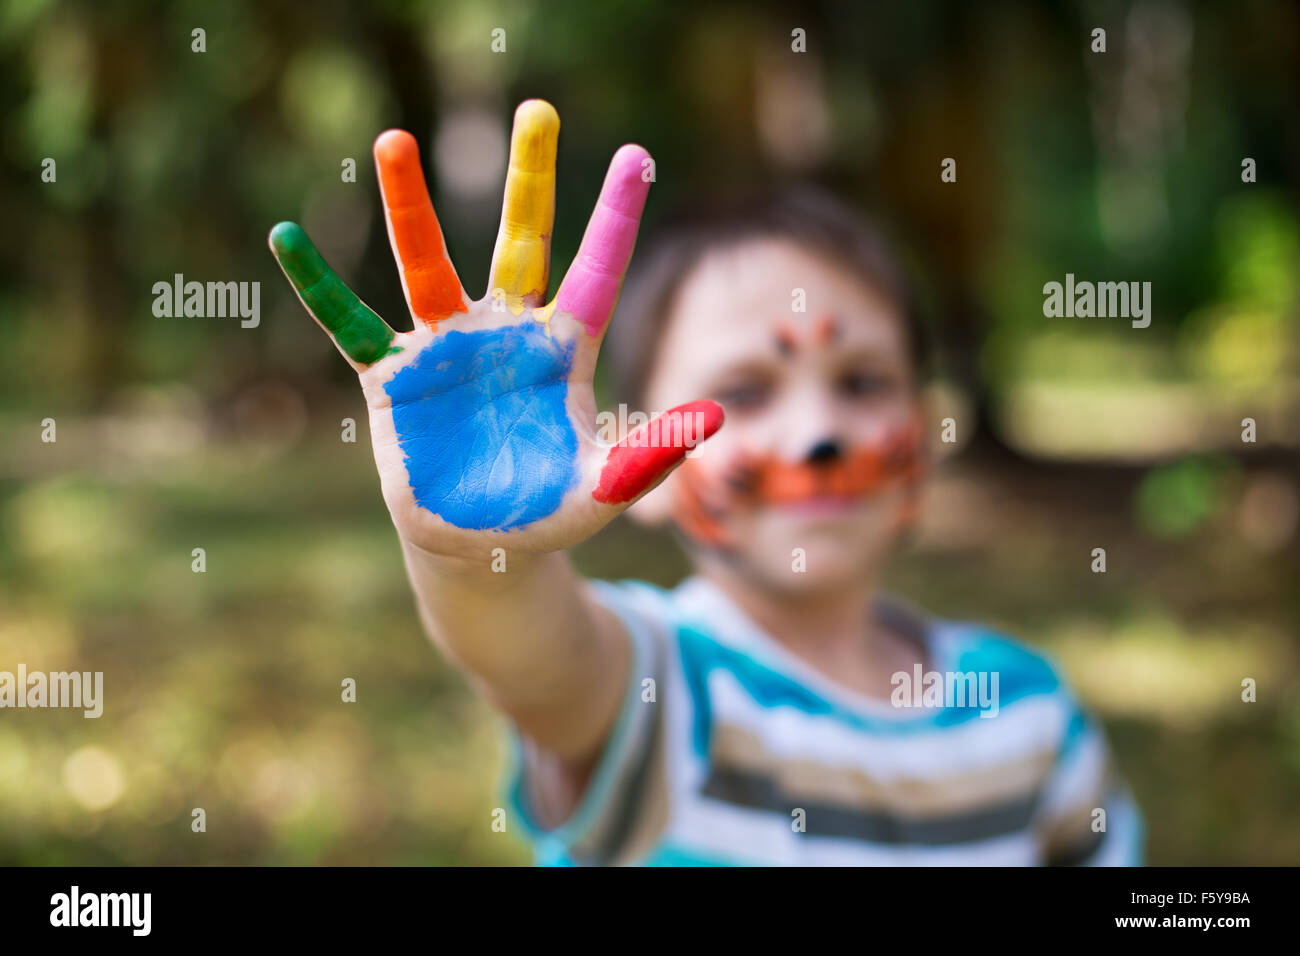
<point x="743" y="396"/>
<point x="866" y="384"/>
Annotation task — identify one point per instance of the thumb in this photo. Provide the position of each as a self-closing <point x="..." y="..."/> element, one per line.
<point x="644" y="458"/>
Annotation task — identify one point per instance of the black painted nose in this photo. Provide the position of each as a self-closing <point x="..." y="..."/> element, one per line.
<point x="824" y="452"/>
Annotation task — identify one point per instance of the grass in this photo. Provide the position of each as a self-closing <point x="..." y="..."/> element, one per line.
<point x="223" y="689"/>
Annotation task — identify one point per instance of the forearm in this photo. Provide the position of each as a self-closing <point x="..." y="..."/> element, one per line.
<point x="531" y="640"/>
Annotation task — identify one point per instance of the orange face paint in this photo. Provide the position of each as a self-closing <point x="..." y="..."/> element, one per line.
<point x="701" y="507"/>
<point x="705" y="500"/>
<point x="770" y="481"/>
<point x="825" y="330"/>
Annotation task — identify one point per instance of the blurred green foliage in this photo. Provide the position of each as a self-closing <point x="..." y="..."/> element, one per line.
<point x="223" y="688"/>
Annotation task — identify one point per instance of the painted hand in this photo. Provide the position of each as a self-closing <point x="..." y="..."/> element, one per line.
<point x="483" y="417"/>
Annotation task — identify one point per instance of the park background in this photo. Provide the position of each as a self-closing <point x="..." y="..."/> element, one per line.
<point x="223" y="688"/>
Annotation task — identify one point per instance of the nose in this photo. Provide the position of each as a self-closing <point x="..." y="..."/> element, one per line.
<point x="824" y="452"/>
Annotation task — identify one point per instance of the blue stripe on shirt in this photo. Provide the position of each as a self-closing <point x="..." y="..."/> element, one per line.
<point x="1021" y="674"/>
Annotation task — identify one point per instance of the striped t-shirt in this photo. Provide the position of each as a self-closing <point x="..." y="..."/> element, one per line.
<point x="730" y="750"/>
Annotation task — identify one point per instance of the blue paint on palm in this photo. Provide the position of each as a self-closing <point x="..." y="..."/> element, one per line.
<point x="480" y="417"/>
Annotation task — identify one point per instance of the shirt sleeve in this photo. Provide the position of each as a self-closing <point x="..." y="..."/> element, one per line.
<point x="616" y="809"/>
<point x="1083" y="781"/>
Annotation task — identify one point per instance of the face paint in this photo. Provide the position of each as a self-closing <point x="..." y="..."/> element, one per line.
<point x="826" y="330"/>
<point x="482" y="421"/>
<point x="705" y="500"/>
<point x="863" y="471"/>
<point x="702" y="506"/>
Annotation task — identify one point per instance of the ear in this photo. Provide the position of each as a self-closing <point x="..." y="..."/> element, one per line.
<point x="655" y="507"/>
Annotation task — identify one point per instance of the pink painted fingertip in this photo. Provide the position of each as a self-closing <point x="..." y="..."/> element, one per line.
<point x="628" y="180"/>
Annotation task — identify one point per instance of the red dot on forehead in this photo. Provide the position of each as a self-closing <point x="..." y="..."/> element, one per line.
<point x="826" y="330"/>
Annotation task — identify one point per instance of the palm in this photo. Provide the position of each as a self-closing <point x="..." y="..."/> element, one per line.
<point x="483" y="417"/>
<point x="483" y="427"/>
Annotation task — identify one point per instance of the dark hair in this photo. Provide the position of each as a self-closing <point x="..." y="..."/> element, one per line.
<point x="808" y="217"/>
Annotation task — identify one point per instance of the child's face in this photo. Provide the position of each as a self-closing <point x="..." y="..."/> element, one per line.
<point x="821" y="449"/>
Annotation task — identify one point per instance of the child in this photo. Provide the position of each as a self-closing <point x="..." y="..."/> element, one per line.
<point x="770" y="709"/>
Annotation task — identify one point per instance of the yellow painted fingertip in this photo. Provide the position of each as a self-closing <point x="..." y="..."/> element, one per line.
<point x="533" y="141"/>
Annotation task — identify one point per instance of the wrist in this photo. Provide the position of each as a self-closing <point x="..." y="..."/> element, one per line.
<point x="497" y="568"/>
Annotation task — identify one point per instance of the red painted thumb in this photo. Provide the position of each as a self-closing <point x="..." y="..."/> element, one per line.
<point x="649" y="452"/>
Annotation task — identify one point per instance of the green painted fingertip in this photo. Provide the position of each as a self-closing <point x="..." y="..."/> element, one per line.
<point x="362" y="335"/>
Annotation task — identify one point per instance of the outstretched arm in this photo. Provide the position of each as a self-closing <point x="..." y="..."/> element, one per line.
<point x="483" y="421"/>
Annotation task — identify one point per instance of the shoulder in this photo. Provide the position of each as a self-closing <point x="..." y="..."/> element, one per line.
<point x="1028" y="679"/>
<point x="1023" y="670"/>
